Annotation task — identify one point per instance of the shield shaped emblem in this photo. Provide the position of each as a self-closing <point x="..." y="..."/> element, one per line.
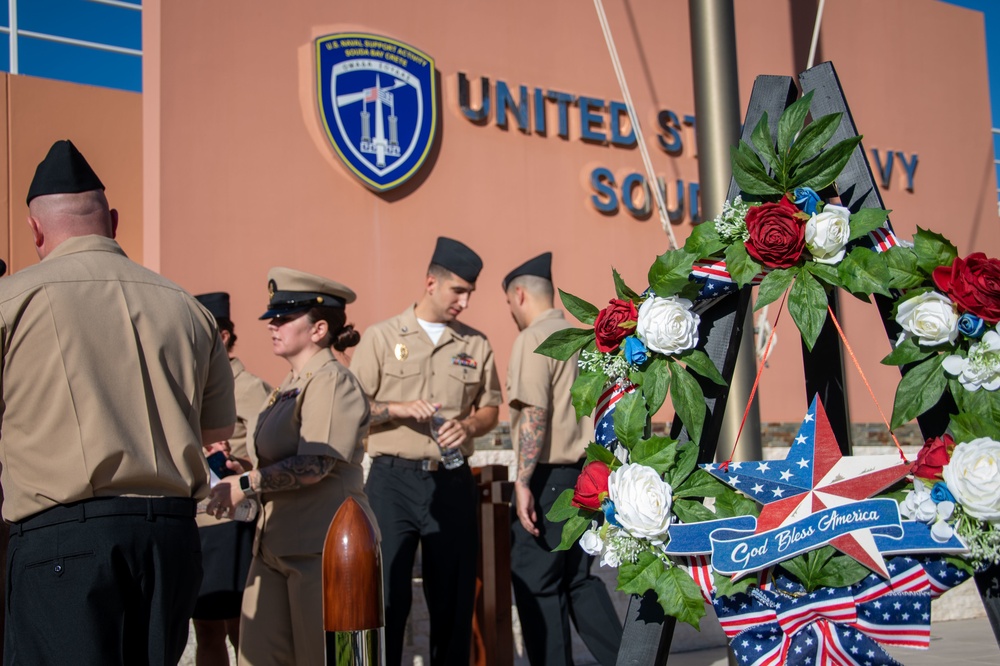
<point x="378" y="104"/>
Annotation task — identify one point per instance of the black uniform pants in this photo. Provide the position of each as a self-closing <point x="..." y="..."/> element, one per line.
<point x="551" y="588"/>
<point x="437" y="511"/>
<point x="105" y="581"/>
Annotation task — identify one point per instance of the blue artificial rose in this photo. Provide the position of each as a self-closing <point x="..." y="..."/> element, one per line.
<point x="635" y="352"/>
<point x="608" y="507"/>
<point x="806" y="199"/>
<point x="940" y="493"/>
<point x="971" y="326"/>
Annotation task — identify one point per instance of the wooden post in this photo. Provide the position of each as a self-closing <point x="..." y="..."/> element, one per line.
<point x="493" y="631"/>
<point x="353" y="615"/>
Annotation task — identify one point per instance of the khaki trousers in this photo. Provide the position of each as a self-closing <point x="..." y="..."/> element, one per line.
<point x="282" y="616"/>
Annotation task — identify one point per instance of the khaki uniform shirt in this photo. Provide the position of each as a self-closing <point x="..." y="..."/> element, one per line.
<point x="110" y="372"/>
<point x="397" y="362"/>
<point x="321" y="412"/>
<point x="540" y="381"/>
<point x="251" y="396"/>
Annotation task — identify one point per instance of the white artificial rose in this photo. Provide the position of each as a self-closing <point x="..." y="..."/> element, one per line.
<point x="827" y="234"/>
<point x="981" y="368"/>
<point x="591" y="542"/>
<point x="667" y="325"/>
<point x="930" y="317"/>
<point x="973" y="477"/>
<point x="642" y="500"/>
<point x="612" y="558"/>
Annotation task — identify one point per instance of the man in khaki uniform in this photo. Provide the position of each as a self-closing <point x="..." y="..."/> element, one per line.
<point x="226" y="545"/>
<point x="549" y="441"/>
<point x="113" y="378"/>
<point x="415" y="366"/>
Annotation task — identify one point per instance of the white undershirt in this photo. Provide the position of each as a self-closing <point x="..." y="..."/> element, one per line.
<point x="433" y="329"/>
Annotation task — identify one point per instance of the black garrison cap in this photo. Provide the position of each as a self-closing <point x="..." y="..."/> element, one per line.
<point x="63" y="171"/>
<point x="540" y="266"/>
<point x="296" y="291"/>
<point x="216" y="302"/>
<point x="457" y="258"/>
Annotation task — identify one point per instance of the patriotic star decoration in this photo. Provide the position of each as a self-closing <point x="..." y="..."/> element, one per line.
<point x="815" y="476"/>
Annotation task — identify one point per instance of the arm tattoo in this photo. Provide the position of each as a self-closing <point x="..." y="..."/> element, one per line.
<point x="295" y="472"/>
<point x="379" y="412"/>
<point x="531" y="432"/>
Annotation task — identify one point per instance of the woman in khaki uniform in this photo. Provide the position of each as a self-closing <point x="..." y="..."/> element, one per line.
<point x="307" y="447"/>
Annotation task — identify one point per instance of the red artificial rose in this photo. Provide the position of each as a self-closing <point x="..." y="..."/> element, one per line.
<point x="777" y="236"/>
<point x="974" y="284"/>
<point x="591" y="486"/>
<point x="933" y="457"/>
<point x="607" y="327"/>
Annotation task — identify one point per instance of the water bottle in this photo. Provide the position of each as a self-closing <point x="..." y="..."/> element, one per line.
<point x="451" y="458"/>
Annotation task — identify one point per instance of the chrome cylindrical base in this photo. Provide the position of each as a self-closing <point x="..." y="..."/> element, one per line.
<point x="355" y="648"/>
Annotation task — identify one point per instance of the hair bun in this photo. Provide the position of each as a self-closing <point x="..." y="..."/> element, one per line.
<point x="347" y="337"/>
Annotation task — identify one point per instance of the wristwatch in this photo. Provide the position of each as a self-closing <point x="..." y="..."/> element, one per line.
<point x="245" y="485"/>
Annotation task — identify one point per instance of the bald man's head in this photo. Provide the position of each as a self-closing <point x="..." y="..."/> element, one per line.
<point x="53" y="218"/>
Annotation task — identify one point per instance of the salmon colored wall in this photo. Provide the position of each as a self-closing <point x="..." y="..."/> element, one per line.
<point x="248" y="181"/>
<point x="106" y="125"/>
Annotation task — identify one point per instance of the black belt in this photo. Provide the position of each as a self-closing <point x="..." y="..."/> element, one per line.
<point x="426" y="465"/>
<point x="102" y="507"/>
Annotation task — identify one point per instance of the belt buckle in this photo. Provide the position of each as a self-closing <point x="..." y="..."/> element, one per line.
<point x="429" y="465"/>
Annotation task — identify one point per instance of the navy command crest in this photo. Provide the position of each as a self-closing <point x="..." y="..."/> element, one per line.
<point x="378" y="104"/>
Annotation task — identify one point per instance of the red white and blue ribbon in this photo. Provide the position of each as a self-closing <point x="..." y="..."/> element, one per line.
<point x="604" y="417"/>
<point x="836" y="625"/>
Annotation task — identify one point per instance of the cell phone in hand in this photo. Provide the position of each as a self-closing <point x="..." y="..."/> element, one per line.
<point x="217" y="463"/>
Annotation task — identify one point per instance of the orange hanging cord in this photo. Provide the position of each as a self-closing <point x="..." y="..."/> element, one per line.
<point x="861" y="372"/>
<point x="724" y="466"/>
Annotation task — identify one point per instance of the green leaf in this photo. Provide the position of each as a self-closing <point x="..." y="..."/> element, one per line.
<point x="621" y="288"/>
<point x="732" y="504"/>
<point x="824" y="169"/>
<point x="807" y="305"/>
<point x="984" y="404"/>
<point x="841" y="571"/>
<point x="933" y="250"/>
<point x="904" y="273"/>
<point x="641" y="576"/>
<point x="824" y="273"/>
<point x="761" y="138"/>
<point x="906" y="352"/>
<point x="808" y="566"/>
<point x="918" y="391"/>
<point x="704" y="241"/>
<point x="690" y="511"/>
<point x="867" y="220"/>
<point x="791" y="122"/>
<point x="749" y="172"/>
<point x="687" y="461"/>
<point x="563" y="509"/>
<point x="579" y="308"/>
<point x="863" y="272"/>
<point x="573" y="530"/>
<point x="740" y="264"/>
<point x="656" y="452"/>
<point x="679" y="596"/>
<point x="601" y="454"/>
<point x="700" y="484"/>
<point x="774" y="285"/>
<point x="670" y="272"/>
<point x="699" y="361"/>
<point x="586" y="391"/>
<point x="655" y="384"/>
<point x="812" y="139"/>
<point x="726" y="587"/>
<point x="688" y="400"/>
<point x="565" y="342"/>
<point x="966" y="427"/>
<point x="630" y="419"/>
